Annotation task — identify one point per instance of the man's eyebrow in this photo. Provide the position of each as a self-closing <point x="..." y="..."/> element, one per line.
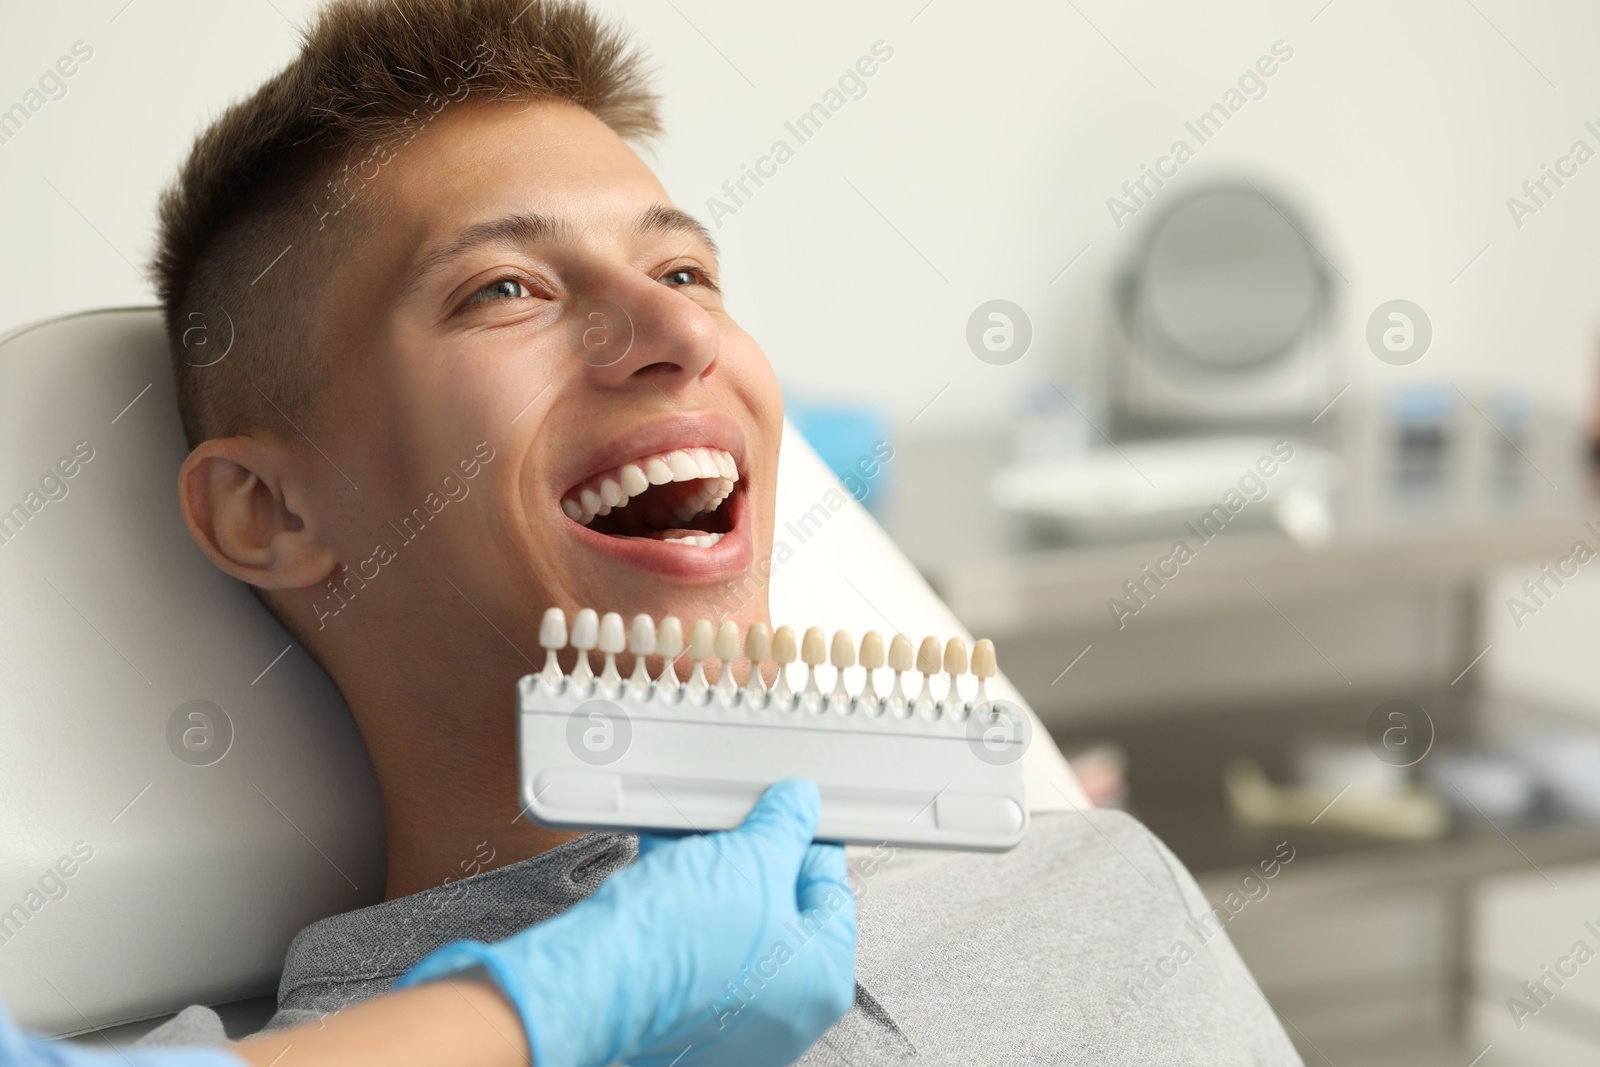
<point x="660" y="218"/>
<point x="526" y="228"/>
<point x="508" y="231"/>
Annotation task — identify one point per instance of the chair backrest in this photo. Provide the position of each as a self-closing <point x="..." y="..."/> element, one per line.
<point x="181" y="787"/>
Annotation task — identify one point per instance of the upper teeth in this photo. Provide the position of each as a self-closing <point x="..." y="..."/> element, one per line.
<point x="614" y="490"/>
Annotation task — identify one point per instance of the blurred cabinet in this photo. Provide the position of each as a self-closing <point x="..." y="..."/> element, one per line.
<point x="1374" y="962"/>
<point x="1540" y="930"/>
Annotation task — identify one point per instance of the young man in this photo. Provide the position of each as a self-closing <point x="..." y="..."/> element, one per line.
<point x="412" y="229"/>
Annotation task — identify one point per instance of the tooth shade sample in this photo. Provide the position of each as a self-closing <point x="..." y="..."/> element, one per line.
<point x="642" y="636"/>
<point x="783" y="654"/>
<point x="641" y="642"/>
<point x="843" y="652"/>
<point x="757" y="648"/>
<point x="727" y="646"/>
<point x="955" y="656"/>
<point x="872" y="650"/>
<point x="727" y="650"/>
<point x="585" y="635"/>
<point x="669" y="642"/>
<point x="613" y="638"/>
<point x="983" y="659"/>
<point x="985" y="667"/>
<point x="758" y="642"/>
<point x="813" y="649"/>
<point x="783" y="646"/>
<point x="669" y="638"/>
<point x="586" y="629"/>
<point x="552" y="636"/>
<point x="701" y="638"/>
<point x="553" y="629"/>
<point x="955" y="665"/>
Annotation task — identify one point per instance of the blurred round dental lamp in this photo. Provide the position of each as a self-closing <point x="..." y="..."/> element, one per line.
<point x="1221" y="318"/>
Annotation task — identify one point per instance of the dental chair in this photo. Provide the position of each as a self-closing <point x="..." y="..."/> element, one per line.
<point x="181" y="788"/>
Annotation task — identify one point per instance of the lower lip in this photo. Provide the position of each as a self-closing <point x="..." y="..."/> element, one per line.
<point x="728" y="558"/>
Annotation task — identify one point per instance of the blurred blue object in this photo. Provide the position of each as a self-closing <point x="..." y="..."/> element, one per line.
<point x="1511" y="408"/>
<point x="1421" y="413"/>
<point x="1422" y="403"/>
<point x="852" y="439"/>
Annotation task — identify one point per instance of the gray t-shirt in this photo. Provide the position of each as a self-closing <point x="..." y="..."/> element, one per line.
<point x="1089" y="943"/>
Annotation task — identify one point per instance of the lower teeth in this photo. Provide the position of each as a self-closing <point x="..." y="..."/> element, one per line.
<point x="698" y="540"/>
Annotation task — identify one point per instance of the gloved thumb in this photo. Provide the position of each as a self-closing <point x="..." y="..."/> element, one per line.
<point x="786" y="814"/>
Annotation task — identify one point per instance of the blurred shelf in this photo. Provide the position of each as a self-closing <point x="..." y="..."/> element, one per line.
<point x="1397" y="522"/>
<point x="1175" y="786"/>
<point x="1067" y="588"/>
<point x="1352" y="863"/>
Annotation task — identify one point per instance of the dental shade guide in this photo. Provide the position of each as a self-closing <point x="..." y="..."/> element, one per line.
<point x="938" y="771"/>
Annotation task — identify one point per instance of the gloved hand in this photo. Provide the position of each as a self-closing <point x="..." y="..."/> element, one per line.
<point x="735" y="947"/>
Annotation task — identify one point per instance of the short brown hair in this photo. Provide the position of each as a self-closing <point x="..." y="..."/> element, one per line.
<point x="265" y="177"/>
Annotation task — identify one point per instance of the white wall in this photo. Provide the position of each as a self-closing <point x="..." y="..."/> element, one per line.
<point x="990" y="141"/>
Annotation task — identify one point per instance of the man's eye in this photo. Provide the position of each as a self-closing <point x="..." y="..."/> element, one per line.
<point x="497" y="290"/>
<point x="684" y="276"/>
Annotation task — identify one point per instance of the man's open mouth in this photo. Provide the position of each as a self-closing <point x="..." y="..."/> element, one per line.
<point x="670" y="496"/>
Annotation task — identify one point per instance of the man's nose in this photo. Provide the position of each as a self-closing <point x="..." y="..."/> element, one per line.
<point x="637" y="331"/>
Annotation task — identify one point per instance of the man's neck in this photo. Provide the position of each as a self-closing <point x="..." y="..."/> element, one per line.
<point x="441" y="731"/>
<point x="451" y="811"/>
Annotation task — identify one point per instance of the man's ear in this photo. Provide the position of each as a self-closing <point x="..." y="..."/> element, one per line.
<point x="249" y="513"/>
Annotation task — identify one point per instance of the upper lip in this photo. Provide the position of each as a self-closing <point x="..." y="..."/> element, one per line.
<point x="697" y="429"/>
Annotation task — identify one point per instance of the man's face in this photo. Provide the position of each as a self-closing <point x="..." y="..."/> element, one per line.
<point x="526" y="283"/>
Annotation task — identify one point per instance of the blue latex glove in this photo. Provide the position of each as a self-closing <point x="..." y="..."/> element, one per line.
<point x="728" y="948"/>
<point x="20" y="1049"/>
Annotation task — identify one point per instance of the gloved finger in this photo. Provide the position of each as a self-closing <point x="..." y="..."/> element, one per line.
<point x="786" y="814"/>
<point x="823" y="884"/>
